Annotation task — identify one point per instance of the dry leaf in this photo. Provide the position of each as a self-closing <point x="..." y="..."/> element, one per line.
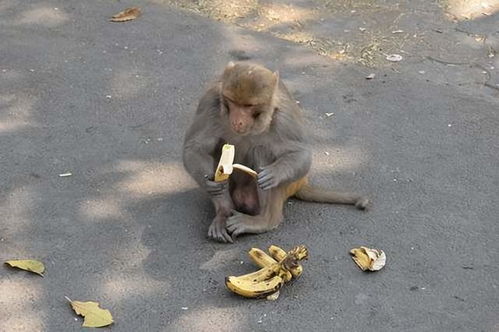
<point x="370" y="76"/>
<point x="394" y="57"/>
<point x="94" y="316"/>
<point x="127" y="15"/>
<point x="368" y="259"/>
<point x="28" y="265"/>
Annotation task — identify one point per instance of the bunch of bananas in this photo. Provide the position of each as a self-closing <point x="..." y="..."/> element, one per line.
<point x="276" y="269"/>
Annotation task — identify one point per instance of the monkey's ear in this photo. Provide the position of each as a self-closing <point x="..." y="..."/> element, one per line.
<point x="230" y="65"/>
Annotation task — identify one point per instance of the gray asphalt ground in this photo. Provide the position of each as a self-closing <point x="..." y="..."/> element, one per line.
<point x="110" y="103"/>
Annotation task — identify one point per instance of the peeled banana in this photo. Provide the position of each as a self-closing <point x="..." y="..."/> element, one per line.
<point x="273" y="274"/>
<point x="226" y="164"/>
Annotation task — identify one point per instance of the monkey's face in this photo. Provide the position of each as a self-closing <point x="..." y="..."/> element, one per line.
<point x="248" y="94"/>
<point x="244" y="119"/>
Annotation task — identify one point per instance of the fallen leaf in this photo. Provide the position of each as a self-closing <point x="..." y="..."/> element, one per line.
<point x="329" y="114"/>
<point x="126" y="15"/>
<point x="370" y="76"/>
<point x="368" y="259"/>
<point x="394" y="57"/>
<point x="28" y="265"/>
<point x="94" y="316"/>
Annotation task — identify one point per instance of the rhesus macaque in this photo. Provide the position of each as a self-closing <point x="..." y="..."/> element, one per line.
<point x="250" y="108"/>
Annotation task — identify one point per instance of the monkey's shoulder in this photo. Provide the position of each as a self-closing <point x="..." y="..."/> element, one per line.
<point x="210" y="101"/>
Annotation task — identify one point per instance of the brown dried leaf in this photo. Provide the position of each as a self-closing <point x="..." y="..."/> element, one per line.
<point x="127" y="15"/>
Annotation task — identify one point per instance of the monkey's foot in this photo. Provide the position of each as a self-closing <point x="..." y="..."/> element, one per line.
<point x="362" y="203"/>
<point x="240" y="223"/>
<point x="218" y="231"/>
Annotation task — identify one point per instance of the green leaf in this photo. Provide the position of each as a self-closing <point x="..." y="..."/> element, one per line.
<point x="28" y="265"/>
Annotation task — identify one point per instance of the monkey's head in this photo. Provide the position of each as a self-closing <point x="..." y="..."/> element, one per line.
<point x="248" y="93"/>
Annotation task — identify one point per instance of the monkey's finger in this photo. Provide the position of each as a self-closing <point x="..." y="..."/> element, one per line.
<point x="237" y="232"/>
<point x="226" y="236"/>
<point x="264" y="179"/>
<point x="267" y="184"/>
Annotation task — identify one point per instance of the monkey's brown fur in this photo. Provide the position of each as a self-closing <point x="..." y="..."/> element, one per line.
<point x="251" y="108"/>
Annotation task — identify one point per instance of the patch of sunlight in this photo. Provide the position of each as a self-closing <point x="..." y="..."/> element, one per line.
<point x="152" y="178"/>
<point x="17" y="216"/>
<point x="471" y="9"/>
<point x="122" y="287"/>
<point x="16" y="112"/>
<point x="46" y="16"/>
<point x="109" y="208"/>
<point x="18" y="313"/>
<point x="209" y="319"/>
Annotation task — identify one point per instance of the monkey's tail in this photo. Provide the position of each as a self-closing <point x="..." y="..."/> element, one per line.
<point x="318" y="195"/>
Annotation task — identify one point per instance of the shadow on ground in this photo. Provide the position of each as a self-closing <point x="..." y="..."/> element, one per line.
<point x="110" y="103"/>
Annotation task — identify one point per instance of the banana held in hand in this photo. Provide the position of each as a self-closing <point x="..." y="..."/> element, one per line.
<point x="271" y="277"/>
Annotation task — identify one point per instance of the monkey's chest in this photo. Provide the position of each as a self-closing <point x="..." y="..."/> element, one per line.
<point x="253" y="154"/>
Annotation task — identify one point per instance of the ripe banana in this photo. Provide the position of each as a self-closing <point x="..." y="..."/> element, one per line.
<point x="260" y="258"/>
<point x="279" y="254"/>
<point x="270" y="278"/>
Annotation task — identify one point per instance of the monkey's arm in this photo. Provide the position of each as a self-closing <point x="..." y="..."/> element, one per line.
<point x="198" y="161"/>
<point x="289" y="167"/>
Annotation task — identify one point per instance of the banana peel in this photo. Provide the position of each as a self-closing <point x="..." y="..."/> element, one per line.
<point x="368" y="259"/>
<point x="275" y="271"/>
<point x="226" y="164"/>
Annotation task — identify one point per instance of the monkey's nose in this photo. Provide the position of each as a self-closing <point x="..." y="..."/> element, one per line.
<point x="238" y="125"/>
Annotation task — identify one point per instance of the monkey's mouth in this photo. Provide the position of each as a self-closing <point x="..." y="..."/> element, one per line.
<point x="240" y="132"/>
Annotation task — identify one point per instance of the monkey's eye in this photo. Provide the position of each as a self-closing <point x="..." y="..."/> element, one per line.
<point x="256" y="114"/>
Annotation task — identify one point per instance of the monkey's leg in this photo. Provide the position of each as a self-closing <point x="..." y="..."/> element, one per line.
<point x="244" y="193"/>
<point x="312" y="194"/>
<point x="271" y="203"/>
<point x="223" y="209"/>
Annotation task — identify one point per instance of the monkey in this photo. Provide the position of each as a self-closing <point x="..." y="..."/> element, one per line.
<point x="249" y="107"/>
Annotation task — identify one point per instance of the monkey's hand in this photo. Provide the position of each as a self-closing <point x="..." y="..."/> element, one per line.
<point x="267" y="178"/>
<point x="216" y="189"/>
